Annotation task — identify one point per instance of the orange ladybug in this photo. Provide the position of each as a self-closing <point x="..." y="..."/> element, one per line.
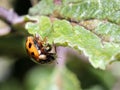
<point x="39" y="50"/>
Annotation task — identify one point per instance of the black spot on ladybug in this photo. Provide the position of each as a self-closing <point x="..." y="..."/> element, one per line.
<point x="30" y="45"/>
<point x="32" y="53"/>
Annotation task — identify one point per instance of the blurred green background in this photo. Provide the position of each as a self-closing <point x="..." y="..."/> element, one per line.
<point x="18" y="72"/>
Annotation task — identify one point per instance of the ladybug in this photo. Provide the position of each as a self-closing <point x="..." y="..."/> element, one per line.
<point x="39" y="50"/>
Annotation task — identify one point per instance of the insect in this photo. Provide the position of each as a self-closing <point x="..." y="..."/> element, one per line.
<point x="39" y="50"/>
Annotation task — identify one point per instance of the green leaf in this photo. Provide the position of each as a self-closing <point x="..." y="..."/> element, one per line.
<point x="77" y="10"/>
<point x="62" y="32"/>
<point x="47" y="78"/>
<point x="98" y="40"/>
<point x="44" y="7"/>
<point x="108" y="32"/>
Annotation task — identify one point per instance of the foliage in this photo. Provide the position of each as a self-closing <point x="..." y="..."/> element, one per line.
<point x="87" y="38"/>
<point x="101" y="44"/>
<point x="51" y="77"/>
